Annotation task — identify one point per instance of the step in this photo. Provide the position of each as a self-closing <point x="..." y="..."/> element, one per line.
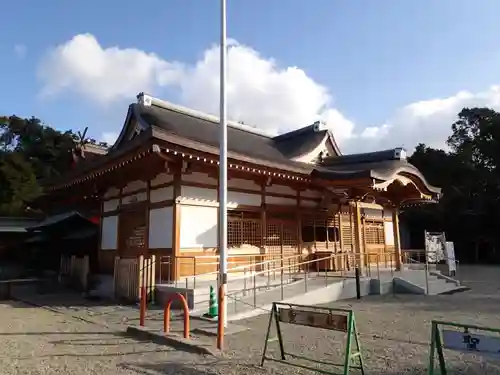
<point x="201" y="295"/>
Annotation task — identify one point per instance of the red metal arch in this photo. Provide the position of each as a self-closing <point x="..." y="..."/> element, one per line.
<point x="166" y="314"/>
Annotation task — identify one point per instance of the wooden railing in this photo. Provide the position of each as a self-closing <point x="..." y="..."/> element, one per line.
<point x="130" y="274"/>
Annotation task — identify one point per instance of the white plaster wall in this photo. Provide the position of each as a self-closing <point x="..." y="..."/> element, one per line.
<point x="202" y="196"/>
<point x="243" y="184"/>
<point x="199" y="177"/>
<point x="139" y="197"/>
<point x="281" y="201"/>
<point x="311" y="194"/>
<point x="134" y="186"/>
<point x="161" y="194"/>
<point x="307" y="203"/>
<point x="281" y="189"/>
<point x="109" y="233"/>
<point x="162" y="178"/>
<point x="234" y="199"/>
<point x="198" y="226"/>
<point x="389" y="233"/>
<point x="110" y="205"/>
<point x="160" y="228"/>
<point x="198" y="194"/>
<point x="112" y="192"/>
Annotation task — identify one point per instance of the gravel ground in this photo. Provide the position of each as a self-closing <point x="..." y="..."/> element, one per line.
<point x="394" y="334"/>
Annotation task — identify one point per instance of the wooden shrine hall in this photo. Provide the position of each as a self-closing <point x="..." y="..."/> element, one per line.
<point x="291" y="194"/>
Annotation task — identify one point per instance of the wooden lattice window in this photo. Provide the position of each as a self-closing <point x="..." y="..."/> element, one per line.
<point x="273" y="234"/>
<point x="289" y="235"/>
<point x="347" y="230"/>
<point x="320" y="228"/>
<point x="374" y="232"/>
<point x="244" y="228"/>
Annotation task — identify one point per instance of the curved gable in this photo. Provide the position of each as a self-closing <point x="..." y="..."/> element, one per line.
<point x="309" y="144"/>
<point x="133" y="126"/>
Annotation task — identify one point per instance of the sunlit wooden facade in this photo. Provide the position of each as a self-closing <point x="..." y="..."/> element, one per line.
<point x="287" y="195"/>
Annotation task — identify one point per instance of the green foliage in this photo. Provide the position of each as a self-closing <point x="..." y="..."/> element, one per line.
<point x="29" y="151"/>
<point x="469" y="174"/>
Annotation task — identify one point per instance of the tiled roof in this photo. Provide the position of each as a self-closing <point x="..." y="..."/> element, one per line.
<point x="158" y="122"/>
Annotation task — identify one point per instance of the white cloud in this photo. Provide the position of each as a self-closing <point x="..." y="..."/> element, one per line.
<point x="103" y="75"/>
<point x="427" y="121"/>
<point x="20" y="50"/>
<point x="260" y="92"/>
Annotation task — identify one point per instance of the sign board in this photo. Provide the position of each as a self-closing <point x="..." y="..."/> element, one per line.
<point x="462" y="340"/>
<point x="466" y="342"/>
<point x="335" y="322"/>
<point x="320" y="318"/>
<point x="435" y="247"/>
<point x="450" y="258"/>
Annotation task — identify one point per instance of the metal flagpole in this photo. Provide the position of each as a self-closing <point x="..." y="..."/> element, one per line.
<point x="223" y="179"/>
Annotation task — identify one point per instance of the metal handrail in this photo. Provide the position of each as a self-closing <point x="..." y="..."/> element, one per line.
<point x="344" y="257"/>
<point x="289" y="263"/>
<point x="306" y="271"/>
<point x="232" y="269"/>
<point x="426" y="264"/>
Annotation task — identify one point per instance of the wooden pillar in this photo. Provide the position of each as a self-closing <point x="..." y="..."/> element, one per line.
<point x="299" y="224"/>
<point x="100" y="259"/>
<point x="397" y="237"/>
<point x="357" y="233"/>
<point x="119" y="228"/>
<point x="263" y="221"/>
<point x="148" y="205"/>
<point x="263" y="227"/>
<point x="176" y="222"/>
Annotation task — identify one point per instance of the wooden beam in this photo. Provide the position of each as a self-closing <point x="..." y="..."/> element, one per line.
<point x="176" y="222"/>
<point x="263" y="216"/>
<point x="148" y="208"/>
<point x="397" y="239"/>
<point x="299" y="223"/>
<point x="357" y="232"/>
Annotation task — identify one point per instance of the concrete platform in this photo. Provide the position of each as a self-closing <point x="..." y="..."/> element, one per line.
<point x="191" y="345"/>
<point x="231" y="329"/>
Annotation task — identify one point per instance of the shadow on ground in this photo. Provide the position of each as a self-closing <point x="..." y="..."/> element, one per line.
<point x="165" y="368"/>
<point x="225" y="367"/>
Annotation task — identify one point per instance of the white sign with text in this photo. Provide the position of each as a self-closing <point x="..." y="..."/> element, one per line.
<point x="467" y="342"/>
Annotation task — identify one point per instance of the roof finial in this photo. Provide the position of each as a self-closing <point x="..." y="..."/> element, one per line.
<point x="400" y="153"/>
<point x="144" y="99"/>
<point x="320" y="126"/>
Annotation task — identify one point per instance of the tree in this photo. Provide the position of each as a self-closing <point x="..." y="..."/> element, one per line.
<point x="469" y="175"/>
<point x="30" y="152"/>
<point x="18" y="184"/>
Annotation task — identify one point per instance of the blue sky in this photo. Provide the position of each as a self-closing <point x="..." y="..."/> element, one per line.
<point x="374" y="57"/>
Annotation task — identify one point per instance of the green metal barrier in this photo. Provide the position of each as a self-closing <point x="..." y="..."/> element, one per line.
<point x="463" y="341"/>
<point x="320" y="318"/>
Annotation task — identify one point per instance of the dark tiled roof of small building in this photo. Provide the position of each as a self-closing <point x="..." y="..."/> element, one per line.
<point x="380" y="165"/>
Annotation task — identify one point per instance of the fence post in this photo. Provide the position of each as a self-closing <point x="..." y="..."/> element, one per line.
<point x="358" y="283"/>
<point x="142" y="307"/>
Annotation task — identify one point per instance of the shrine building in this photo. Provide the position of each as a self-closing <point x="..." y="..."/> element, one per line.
<point x="291" y="195"/>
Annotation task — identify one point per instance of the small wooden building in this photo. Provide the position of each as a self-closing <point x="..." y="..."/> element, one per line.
<point x="291" y="194"/>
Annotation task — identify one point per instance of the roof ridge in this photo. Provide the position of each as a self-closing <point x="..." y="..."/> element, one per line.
<point x="148" y="100"/>
<point x="392" y="154"/>
<point x="317" y="127"/>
